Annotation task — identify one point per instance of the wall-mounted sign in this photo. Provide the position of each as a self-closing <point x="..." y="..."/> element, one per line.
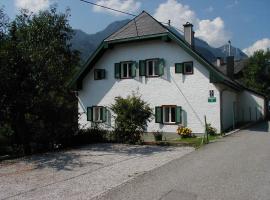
<point x="212" y="99"/>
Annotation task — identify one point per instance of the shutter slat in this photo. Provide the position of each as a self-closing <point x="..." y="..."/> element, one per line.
<point x="103" y="74"/>
<point x="133" y="69"/>
<point x="104" y="114"/>
<point x="142" y="68"/>
<point x="159" y="69"/>
<point x="178" y="115"/>
<point x="179" y="68"/>
<point x="89" y="114"/>
<point x="117" y="70"/>
<point x="158" y="114"/>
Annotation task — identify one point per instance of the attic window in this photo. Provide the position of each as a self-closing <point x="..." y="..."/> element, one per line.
<point x="99" y="74"/>
<point x="184" y="67"/>
<point x="152" y="67"/>
<point x="188" y="67"/>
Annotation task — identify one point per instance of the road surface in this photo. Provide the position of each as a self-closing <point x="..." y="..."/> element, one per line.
<point x="235" y="167"/>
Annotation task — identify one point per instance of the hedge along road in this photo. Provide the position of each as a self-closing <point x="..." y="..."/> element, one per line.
<point x="234" y="167"/>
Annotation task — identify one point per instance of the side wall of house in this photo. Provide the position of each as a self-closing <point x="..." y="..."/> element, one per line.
<point x="189" y="91"/>
<point x="229" y="108"/>
<point x="251" y="106"/>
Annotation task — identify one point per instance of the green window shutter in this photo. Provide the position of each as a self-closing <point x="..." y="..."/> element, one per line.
<point x="89" y="114"/>
<point x="95" y="74"/>
<point x="158" y="114"/>
<point x="133" y="69"/>
<point x="104" y="114"/>
<point x="178" y="115"/>
<point x="159" y="68"/>
<point x="117" y="70"/>
<point x="103" y="74"/>
<point x="142" y="68"/>
<point x="179" y="67"/>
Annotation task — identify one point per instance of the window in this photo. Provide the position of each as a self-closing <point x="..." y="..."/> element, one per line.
<point x="125" y="70"/>
<point x="152" y="67"/>
<point x="185" y="67"/>
<point x="168" y="114"/>
<point x="97" y="114"/>
<point x="188" y="67"/>
<point x="211" y="93"/>
<point x="99" y="74"/>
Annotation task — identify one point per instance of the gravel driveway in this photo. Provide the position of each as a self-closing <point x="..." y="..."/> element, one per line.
<point x="82" y="173"/>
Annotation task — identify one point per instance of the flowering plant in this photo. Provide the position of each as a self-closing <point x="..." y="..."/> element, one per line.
<point x="184" y="132"/>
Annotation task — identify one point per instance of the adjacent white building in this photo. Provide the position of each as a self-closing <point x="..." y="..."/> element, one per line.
<point x="162" y="66"/>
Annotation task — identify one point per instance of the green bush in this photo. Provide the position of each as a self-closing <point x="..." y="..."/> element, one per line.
<point x="158" y="135"/>
<point x="211" y="130"/>
<point x="90" y="135"/>
<point x="132" y="116"/>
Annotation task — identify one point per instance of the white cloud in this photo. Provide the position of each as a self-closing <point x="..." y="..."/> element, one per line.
<point x="130" y="6"/>
<point x="262" y="44"/>
<point x="176" y="12"/>
<point x="212" y="31"/>
<point x="32" y="5"/>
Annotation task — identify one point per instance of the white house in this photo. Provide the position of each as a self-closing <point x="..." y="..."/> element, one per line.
<point x="163" y="66"/>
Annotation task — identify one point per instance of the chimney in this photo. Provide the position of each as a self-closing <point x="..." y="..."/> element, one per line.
<point x="189" y="34"/>
<point x="230" y="67"/>
<point x="218" y="64"/>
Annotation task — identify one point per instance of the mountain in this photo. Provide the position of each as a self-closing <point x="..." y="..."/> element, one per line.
<point x="87" y="43"/>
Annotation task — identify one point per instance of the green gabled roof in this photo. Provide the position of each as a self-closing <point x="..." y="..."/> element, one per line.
<point x="145" y="27"/>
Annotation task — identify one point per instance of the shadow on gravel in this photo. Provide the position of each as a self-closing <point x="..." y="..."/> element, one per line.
<point x="81" y="156"/>
<point x="261" y="127"/>
<point x="140" y="150"/>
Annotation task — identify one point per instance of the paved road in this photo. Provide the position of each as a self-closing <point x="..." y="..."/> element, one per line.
<point x="235" y="167"/>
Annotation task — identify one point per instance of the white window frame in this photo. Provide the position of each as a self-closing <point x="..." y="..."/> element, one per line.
<point x="99" y="113"/>
<point x="154" y="63"/>
<point x="170" y="114"/>
<point x="128" y="65"/>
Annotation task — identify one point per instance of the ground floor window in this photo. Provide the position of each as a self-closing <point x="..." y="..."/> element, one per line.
<point x="168" y="114"/>
<point x="97" y="114"/>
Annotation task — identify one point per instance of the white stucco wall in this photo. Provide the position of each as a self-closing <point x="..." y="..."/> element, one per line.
<point x="229" y="111"/>
<point x="252" y="106"/>
<point x="189" y="91"/>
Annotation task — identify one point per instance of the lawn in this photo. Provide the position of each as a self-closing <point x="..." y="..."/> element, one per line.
<point x="195" y="142"/>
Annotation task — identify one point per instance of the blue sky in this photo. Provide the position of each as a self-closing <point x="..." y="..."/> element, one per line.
<point x="244" y="22"/>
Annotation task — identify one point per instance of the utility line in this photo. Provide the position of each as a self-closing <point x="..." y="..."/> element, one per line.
<point x="108" y="8"/>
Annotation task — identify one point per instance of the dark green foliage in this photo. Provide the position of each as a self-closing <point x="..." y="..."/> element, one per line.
<point x="36" y="64"/>
<point x="132" y="115"/>
<point x="158" y="135"/>
<point x="211" y="130"/>
<point x="257" y="72"/>
<point x="90" y="135"/>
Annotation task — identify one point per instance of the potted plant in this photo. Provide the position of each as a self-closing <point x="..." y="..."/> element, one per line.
<point x="158" y="135"/>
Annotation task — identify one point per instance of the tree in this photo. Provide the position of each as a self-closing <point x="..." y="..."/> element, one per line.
<point x="257" y="72"/>
<point x="132" y="115"/>
<point x="36" y="64"/>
